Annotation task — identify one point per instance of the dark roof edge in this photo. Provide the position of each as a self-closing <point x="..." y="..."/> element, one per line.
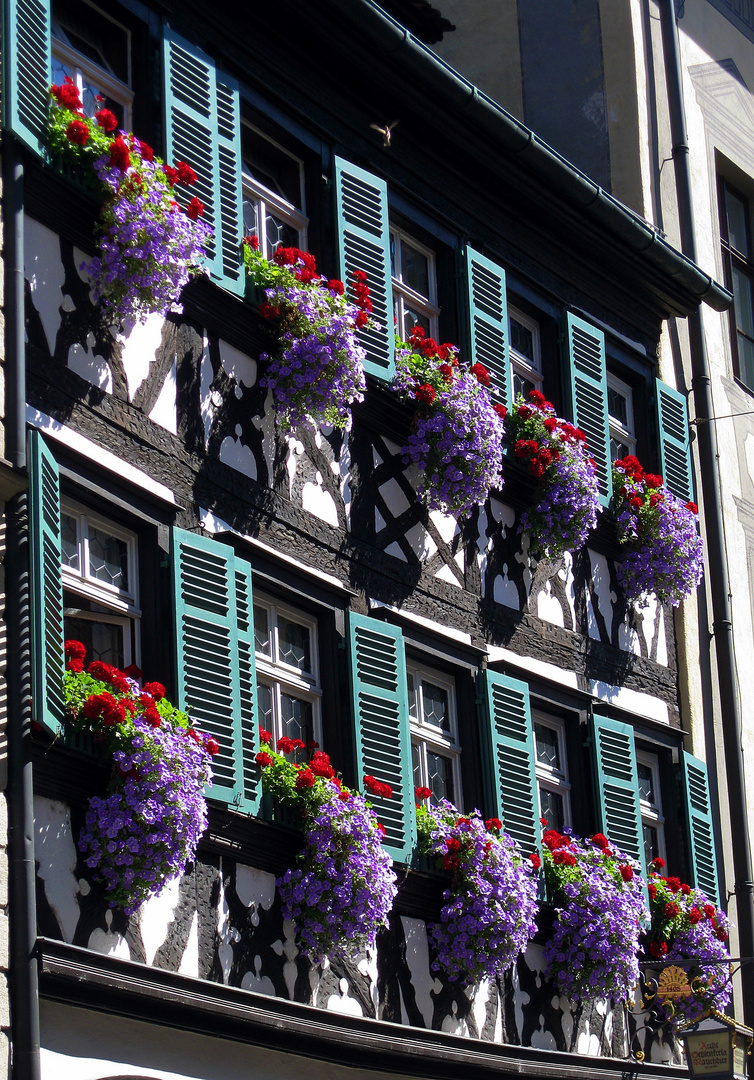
<point x="457" y="95"/>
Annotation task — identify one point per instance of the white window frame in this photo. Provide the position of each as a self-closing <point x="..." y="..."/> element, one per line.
<point x="548" y="778"/>
<point x="402" y="293"/>
<point x="425" y="736"/>
<point x="525" y="368"/>
<point x="270" y="201"/>
<point x="651" y="813"/>
<point x="84" y="68"/>
<point x="282" y="677"/>
<point x="625" y="433"/>
<point x="122" y="606"/>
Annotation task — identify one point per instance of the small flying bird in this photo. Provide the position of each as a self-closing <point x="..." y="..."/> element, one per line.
<point x="386" y="132"/>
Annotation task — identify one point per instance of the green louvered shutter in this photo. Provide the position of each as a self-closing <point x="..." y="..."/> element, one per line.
<point x="488" y="320"/>
<point x="207" y="646"/>
<point x="587" y="379"/>
<point x="247" y="674"/>
<point x="675" y="455"/>
<point x="701" y="833"/>
<point x="383" y="744"/>
<point x="364" y="244"/>
<point x="202" y="125"/>
<point x="508" y="741"/>
<point x="46" y="586"/>
<point x="27" y="53"/>
<point x="614" y="759"/>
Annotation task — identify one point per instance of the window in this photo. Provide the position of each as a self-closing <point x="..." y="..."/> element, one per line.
<point x="288" y="690"/>
<point x="620" y="409"/>
<point x="273" y="193"/>
<point x="433" y="721"/>
<point x="650" y="801"/>
<point x="552" y="773"/>
<point x="526" y="356"/>
<point x="414" y="285"/>
<point x="95" y="50"/>
<point x="100" y="586"/>
<point x="738" y="263"/>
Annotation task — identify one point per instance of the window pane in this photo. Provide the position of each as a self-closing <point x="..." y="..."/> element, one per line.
<point x="103" y="641"/>
<point x="91" y="33"/>
<point x="296" y="718"/>
<point x="294" y="644"/>
<point x="737" y="213"/>
<point x="417" y="765"/>
<point x="415" y="318"/>
<point x="548" y="747"/>
<point x="618" y="449"/>
<point x="271" y="166"/>
<point x="415" y="269"/>
<point x="522" y="385"/>
<point x="617" y="406"/>
<point x="746" y="360"/>
<point x="108" y="558"/>
<point x="393" y="272"/>
<point x="264" y="704"/>
<point x="413" y="707"/>
<point x="522" y="339"/>
<point x="646" y="786"/>
<point x="551" y="808"/>
<point x="69" y="541"/>
<point x="250" y="216"/>
<point x="440" y="777"/>
<point x="743" y="302"/>
<point x="651" y="843"/>
<point x="262" y="641"/>
<point x="436" y="705"/>
<point x="279" y="232"/>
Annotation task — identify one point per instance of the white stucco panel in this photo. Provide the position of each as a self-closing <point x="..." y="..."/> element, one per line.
<point x="318" y="501"/>
<point x="140" y="345"/>
<point x="55" y="852"/>
<point x="164" y="411"/>
<point x="45" y="274"/>
<point x="238" y="456"/>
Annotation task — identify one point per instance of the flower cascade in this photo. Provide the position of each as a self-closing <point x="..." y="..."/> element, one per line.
<point x="148" y="245"/>
<point x="457" y="437"/>
<point x="145" y="830"/>
<point x="664" y="553"/>
<point x="344" y="886"/>
<point x="317" y="372"/>
<point x="487" y="917"/>
<point x="598" y="897"/>
<point x="568" y="491"/>
<point x="685" y="925"/>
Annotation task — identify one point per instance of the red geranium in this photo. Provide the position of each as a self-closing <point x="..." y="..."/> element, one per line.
<point x="77" y="132"/>
<point x="195" y="208"/>
<point x="107" y="120"/>
<point x="120" y="155"/>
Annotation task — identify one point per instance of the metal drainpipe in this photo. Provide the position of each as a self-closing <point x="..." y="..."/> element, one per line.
<point x="24" y="983"/>
<point x="722" y="622"/>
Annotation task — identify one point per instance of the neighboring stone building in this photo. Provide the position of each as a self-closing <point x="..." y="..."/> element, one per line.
<point x="156" y="445"/>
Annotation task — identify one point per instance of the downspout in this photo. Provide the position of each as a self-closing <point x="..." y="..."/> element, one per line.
<point x="23" y="983"/>
<point x="722" y="622"/>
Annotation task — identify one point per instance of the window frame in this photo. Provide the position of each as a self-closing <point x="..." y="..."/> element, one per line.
<point x="548" y="778"/>
<point x="616" y="429"/>
<point x="281" y="677"/>
<point x="426" y="305"/>
<point x="292" y="215"/>
<point x="652" y="814"/>
<point x="522" y="366"/>
<point x="85" y="68"/>
<point x="427" y="736"/>
<point x="734" y="258"/>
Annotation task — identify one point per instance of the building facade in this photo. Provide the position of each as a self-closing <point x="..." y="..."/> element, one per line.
<point x="173" y="523"/>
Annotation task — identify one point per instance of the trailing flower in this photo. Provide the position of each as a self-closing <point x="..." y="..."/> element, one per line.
<point x="145" y="830"/>
<point x="457" y="437"/>
<point x="567" y="497"/>
<point x="685" y="925"/>
<point x="599" y="900"/>
<point x="487" y="918"/>
<point x="343" y="888"/>
<point x="664" y="550"/>
<point x="317" y="372"/>
<point x="148" y="246"/>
